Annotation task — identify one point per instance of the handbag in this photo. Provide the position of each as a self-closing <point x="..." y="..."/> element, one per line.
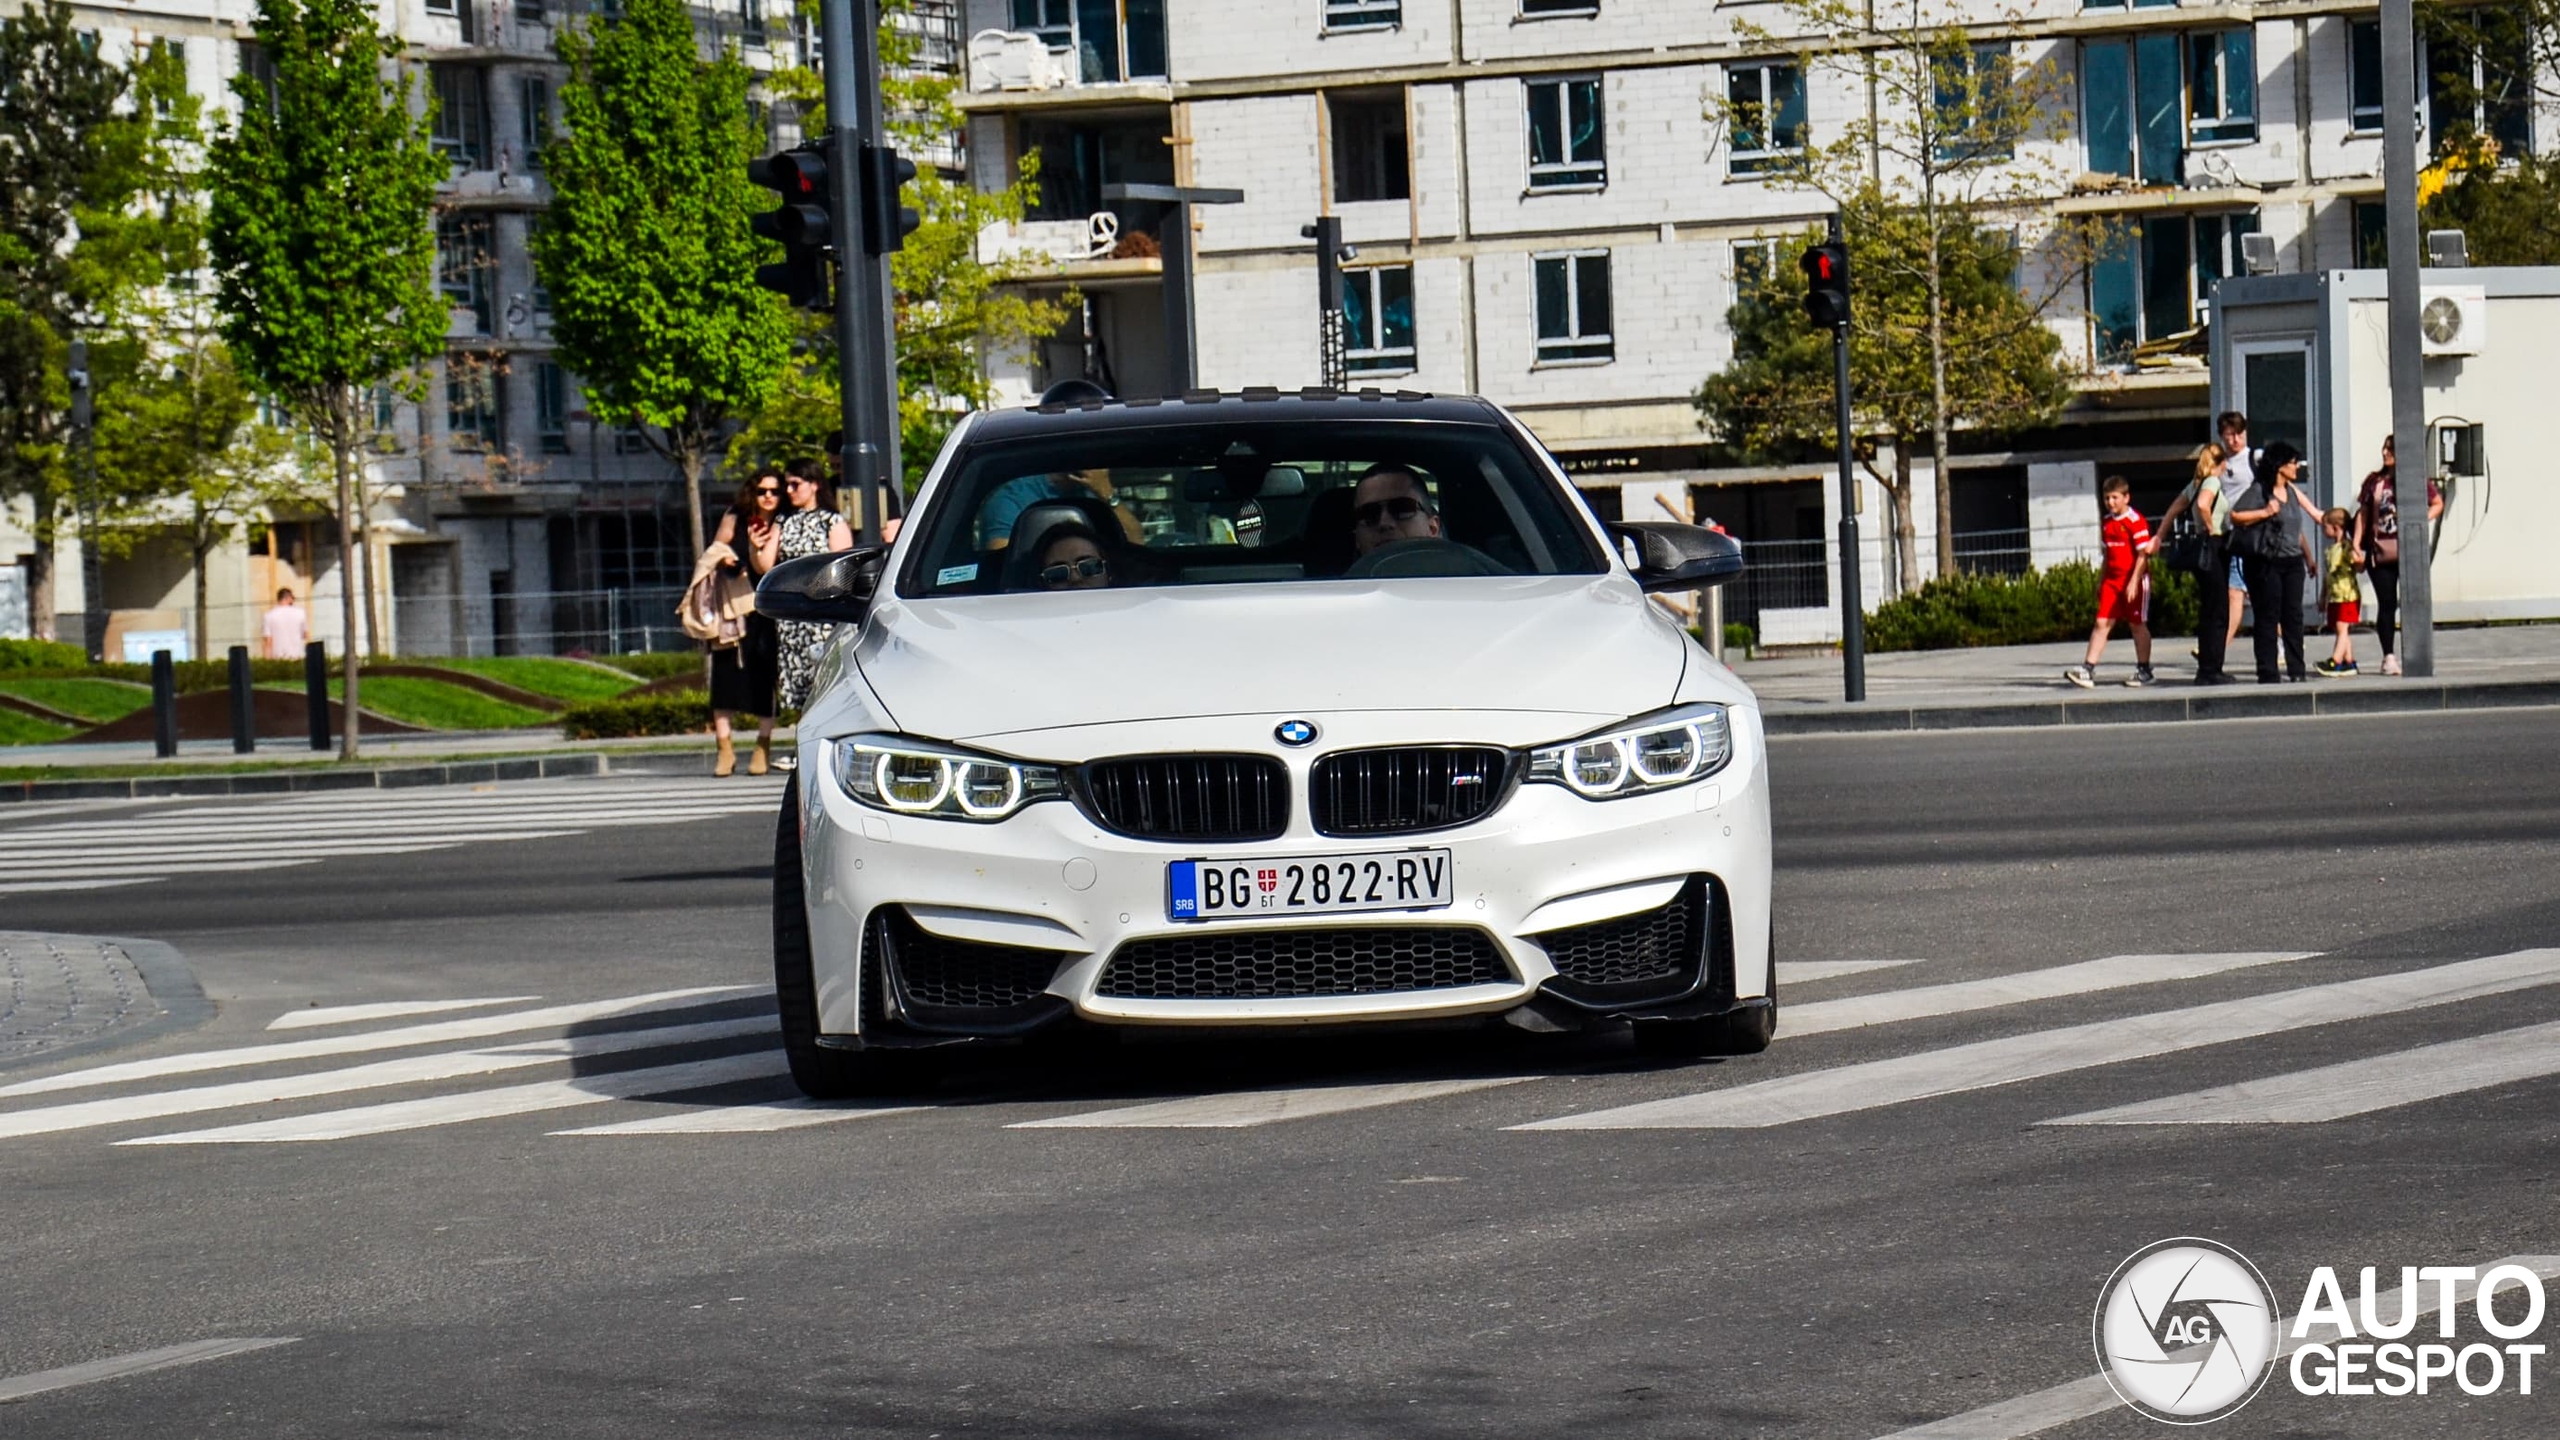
<point x="2188" y="547"/>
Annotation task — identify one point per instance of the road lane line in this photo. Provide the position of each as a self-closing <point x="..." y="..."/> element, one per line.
<point x="140" y="1362"/>
<point x="2353" y="1087"/>
<point x="434" y="1033"/>
<point x="417" y="1069"/>
<point x="2043" y="1410"/>
<point x="747" y="1119"/>
<point x="71" y="863"/>
<point x="385" y="1010"/>
<point x="1261" y="1107"/>
<point x="1877" y="1083"/>
<point x="1920" y="1002"/>
<point x="406" y="825"/>
<point x="486" y="1104"/>
<point x="47" y="887"/>
<point x="1833" y="969"/>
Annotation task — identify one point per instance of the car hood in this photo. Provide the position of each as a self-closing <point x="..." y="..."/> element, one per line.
<point x="997" y="664"/>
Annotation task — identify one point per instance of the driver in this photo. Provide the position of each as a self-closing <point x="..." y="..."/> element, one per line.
<point x="1389" y="504"/>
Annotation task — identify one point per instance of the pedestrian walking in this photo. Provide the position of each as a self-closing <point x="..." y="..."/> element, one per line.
<point x="287" y="628"/>
<point x="2377" y="546"/>
<point x="2341" y="597"/>
<point x="2209" y="556"/>
<point x="813" y="527"/>
<point x="2124" y="585"/>
<point x="745" y="650"/>
<point x="2273" y="561"/>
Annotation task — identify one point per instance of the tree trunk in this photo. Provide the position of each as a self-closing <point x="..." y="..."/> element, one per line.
<point x="204" y="604"/>
<point x="40" y="570"/>
<point x="1938" y="406"/>
<point x="364" y="542"/>
<point x="1906" y="526"/>
<point x="687" y="447"/>
<point x="341" y="411"/>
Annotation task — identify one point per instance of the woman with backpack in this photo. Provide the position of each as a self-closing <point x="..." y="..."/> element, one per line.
<point x="2272" y="559"/>
<point x="2377" y="545"/>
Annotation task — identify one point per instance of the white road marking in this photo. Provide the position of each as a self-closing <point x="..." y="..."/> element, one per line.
<point x="385" y="1010"/>
<point x="2085" y="978"/>
<point x="747" y="1119"/>
<point x="437" y="1032"/>
<point x="140" y="1362"/>
<point x="1261" y="1107"/>
<point x="167" y="860"/>
<point x="1983" y="1064"/>
<point x="450" y="1065"/>
<point x="47" y="887"/>
<point x="2353" y="1087"/>
<point x="486" y="1104"/>
<point x="1833" y="969"/>
<point x="2043" y="1410"/>
<point x="65" y="837"/>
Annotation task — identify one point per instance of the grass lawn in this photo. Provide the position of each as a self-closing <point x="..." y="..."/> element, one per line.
<point x="17" y="729"/>
<point x="97" y="701"/>
<point x="657" y="664"/>
<point x="438" y="706"/>
<point x="571" y="680"/>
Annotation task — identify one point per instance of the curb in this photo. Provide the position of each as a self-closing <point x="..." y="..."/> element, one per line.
<point x="165" y="975"/>
<point x="386" y="777"/>
<point x="2294" y="702"/>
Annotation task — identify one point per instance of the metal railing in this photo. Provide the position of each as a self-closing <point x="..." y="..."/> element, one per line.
<point x="1994" y="552"/>
<point x="555" y="622"/>
<point x="1779" y="575"/>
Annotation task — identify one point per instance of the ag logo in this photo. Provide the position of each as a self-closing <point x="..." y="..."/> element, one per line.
<point x="2185" y="1331"/>
<point x="1295" y="732"/>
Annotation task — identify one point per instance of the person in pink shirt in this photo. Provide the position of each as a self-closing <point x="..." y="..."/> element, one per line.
<point x="288" y="628"/>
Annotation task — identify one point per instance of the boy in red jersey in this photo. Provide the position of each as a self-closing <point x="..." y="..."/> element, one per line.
<point x="2124" y="586"/>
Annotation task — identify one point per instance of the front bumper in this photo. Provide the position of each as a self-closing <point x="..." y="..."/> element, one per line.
<point x="1053" y="893"/>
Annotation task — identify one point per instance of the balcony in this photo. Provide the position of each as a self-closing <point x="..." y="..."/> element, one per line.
<point x="1070" y="52"/>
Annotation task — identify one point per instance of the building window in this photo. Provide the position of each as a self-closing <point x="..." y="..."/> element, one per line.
<point x="533" y="118"/>
<point x="1559" y="7"/>
<point x="1111" y="40"/>
<point x="1573" y="308"/>
<point x="462" y="115"/>
<point x="1363" y="14"/>
<point x="2483" y="90"/>
<point x="260" y="67"/>
<point x="2222" y="86"/>
<point x="2133" y="103"/>
<point x="551" y="407"/>
<point x="1053" y="21"/>
<point x="466" y="262"/>
<point x="2371" y="220"/>
<point x="539" y="297"/>
<point x="531" y="12"/>
<point x="1369" y="147"/>
<point x="472" y="400"/>
<point x="1076" y="161"/>
<point x="1377" y="313"/>
<point x="631" y="439"/>
<point x="1768" y="121"/>
<point x="386" y="417"/>
<point x="2364" y="77"/>
<point x="1567" y="139"/>
<point x="751" y="23"/>
<point x="1972" y="102"/>
<point x="2151" y="285"/>
<point x="1755" y="263"/>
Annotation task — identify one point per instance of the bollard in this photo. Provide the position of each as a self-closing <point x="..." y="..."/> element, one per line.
<point x="244" y="704"/>
<point x="315" y="691"/>
<point x="164" y="705"/>
<point x="1711" y="621"/>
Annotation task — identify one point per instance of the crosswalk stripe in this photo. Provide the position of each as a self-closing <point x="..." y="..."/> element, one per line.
<point x="416" y="1069"/>
<point x="2042" y="1410"/>
<point x="747" y="1119"/>
<point x="486" y="1104"/>
<point x="141" y="1362"/>
<point x="47" y="887"/>
<point x="1962" y="996"/>
<point x="1833" y="969"/>
<point x="44" y="878"/>
<point x="385" y="1010"/>
<point x="1261" y="1107"/>
<point x="163" y="860"/>
<point x="404" y="823"/>
<point x="2353" y="1087"/>
<point x="1878" y="1083"/>
<point x="395" y="802"/>
<point x="433" y="1033"/>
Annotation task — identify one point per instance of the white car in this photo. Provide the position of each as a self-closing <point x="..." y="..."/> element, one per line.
<point x="1264" y="710"/>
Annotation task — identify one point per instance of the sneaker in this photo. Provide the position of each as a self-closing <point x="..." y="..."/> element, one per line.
<point x="2390" y="664"/>
<point x="2334" y="669"/>
<point x="2141" y="676"/>
<point x="2218" y="677"/>
<point x="2083" y="676"/>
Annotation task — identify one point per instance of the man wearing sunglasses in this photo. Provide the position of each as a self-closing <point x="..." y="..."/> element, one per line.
<point x="1388" y="505"/>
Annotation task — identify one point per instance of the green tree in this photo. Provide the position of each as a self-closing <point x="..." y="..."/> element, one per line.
<point x="1944" y="165"/>
<point x="2507" y="207"/>
<point x="59" y="125"/>
<point x="954" y="310"/>
<point x="645" y="249"/>
<point x="321" y="244"/>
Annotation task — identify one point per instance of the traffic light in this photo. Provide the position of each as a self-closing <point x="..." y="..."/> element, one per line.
<point x="802" y="223"/>
<point x="1826" y="284"/>
<point x="885" y="222"/>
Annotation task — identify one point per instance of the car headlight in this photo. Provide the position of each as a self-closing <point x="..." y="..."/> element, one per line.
<point x="919" y="777"/>
<point x="1653" y="752"/>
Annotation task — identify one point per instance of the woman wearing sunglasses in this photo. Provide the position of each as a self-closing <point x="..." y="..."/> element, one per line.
<point x="811" y="526"/>
<point x="744" y="670"/>
<point x="1071" y="558"/>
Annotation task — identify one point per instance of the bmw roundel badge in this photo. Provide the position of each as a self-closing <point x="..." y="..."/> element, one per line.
<point x="1295" y="732"/>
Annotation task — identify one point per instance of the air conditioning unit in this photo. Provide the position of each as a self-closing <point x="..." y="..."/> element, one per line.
<point x="2453" y="320"/>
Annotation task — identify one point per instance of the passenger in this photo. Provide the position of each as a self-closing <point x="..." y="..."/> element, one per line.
<point x="1071" y="558"/>
<point x="1389" y="504"/>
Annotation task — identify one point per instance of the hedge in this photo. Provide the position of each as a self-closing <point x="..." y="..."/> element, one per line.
<point x="2056" y="603"/>
<point x="40" y="655"/>
<point x="656" y="664"/>
<point x="684" y="712"/>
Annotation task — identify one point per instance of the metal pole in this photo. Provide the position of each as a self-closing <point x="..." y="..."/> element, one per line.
<point x="244" y="704"/>
<point x="1181" y="340"/>
<point x="315" y="691"/>
<point x="164" y="705"/>
<point x="2408" y="399"/>
<point x="866" y="354"/>
<point x="93" y="597"/>
<point x="1853" y="611"/>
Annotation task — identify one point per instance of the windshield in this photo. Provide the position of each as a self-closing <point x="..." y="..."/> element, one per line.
<point x="1236" y="503"/>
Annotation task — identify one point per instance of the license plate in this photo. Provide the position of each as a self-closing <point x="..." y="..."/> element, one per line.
<point x="1308" y="885"/>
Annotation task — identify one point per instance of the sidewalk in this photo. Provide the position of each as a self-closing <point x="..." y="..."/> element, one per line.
<point x="2023" y="685"/>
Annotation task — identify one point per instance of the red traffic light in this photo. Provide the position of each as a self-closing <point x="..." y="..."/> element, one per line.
<point x="1826" y="294"/>
<point x="799" y="176"/>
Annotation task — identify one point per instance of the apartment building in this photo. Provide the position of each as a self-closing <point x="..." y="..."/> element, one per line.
<point x="1548" y="211"/>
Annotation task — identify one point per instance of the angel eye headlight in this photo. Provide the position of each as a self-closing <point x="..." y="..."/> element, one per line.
<point x="1654" y="752"/>
<point x="921" y="777"/>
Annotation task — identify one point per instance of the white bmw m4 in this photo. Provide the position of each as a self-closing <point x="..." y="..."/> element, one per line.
<point x="1256" y="711"/>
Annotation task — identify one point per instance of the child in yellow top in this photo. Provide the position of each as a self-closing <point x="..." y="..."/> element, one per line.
<point x="2344" y="599"/>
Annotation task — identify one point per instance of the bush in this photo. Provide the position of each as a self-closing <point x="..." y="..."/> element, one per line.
<point x="2056" y="603"/>
<point x="1738" y="638"/>
<point x="684" y="712"/>
<point x="40" y="655"/>
<point x="656" y="664"/>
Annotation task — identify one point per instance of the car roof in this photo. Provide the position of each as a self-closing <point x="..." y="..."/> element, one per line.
<point x="1256" y="403"/>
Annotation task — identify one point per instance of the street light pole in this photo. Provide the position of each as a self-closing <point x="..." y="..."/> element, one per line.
<point x="866" y="355"/>
<point x="1181" y="338"/>
<point x="2408" y="398"/>
<point x="93" y="609"/>
<point x="1853" y="610"/>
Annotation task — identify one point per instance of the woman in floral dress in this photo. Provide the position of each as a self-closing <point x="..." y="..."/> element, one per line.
<point x="812" y="528"/>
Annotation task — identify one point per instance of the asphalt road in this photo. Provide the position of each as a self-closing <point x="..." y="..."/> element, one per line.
<point x="1414" y="1268"/>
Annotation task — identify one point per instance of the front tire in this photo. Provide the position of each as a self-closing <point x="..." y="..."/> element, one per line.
<point x="821" y="1073"/>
